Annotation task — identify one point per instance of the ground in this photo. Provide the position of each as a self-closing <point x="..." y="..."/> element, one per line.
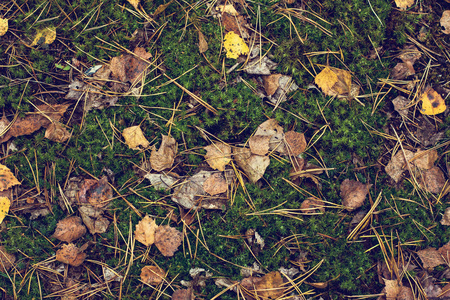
<point x="199" y="99"/>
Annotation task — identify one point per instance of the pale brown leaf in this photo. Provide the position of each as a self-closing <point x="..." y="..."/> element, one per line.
<point x="165" y="156"/>
<point x="145" y="231"/>
<point x="71" y="255"/>
<point x="218" y="155"/>
<point x="353" y="193"/>
<point x="152" y="275"/>
<point x="134" y="137"/>
<point x="167" y="240"/>
<point x="215" y="184"/>
<point x="69" y="229"/>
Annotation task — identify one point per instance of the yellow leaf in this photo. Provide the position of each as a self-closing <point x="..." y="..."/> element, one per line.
<point x="432" y="103"/>
<point x="334" y="81"/>
<point x="7" y="178"/>
<point x="404" y="4"/>
<point x="234" y="45"/>
<point x="229" y="9"/>
<point x="4" y="207"/>
<point x="134" y="137"/>
<point x="3" y="26"/>
<point x="44" y="36"/>
<point x="135" y="3"/>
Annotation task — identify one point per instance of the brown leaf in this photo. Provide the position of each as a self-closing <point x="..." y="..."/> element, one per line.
<point x="7" y="178"/>
<point x="430" y="258"/>
<point x="295" y="143"/>
<point x="97" y="193"/>
<point x="410" y="54"/>
<point x="71" y="255"/>
<point x="152" y="275"/>
<point x="271" y="83"/>
<point x="128" y="67"/>
<point x="167" y="240"/>
<point x="183" y="294"/>
<point x="311" y="205"/>
<point x="259" y="144"/>
<point x="445" y="21"/>
<point x="215" y="184"/>
<point x="405" y="293"/>
<point x="270" y="286"/>
<point x="398" y="164"/>
<point x="202" y="43"/>
<point x="93" y="219"/>
<point x="165" y="156"/>
<point x="145" y="231"/>
<point x="134" y="137"/>
<point x="446" y="217"/>
<point x="401" y="105"/>
<point x="253" y="165"/>
<point x="7" y="260"/>
<point x="392" y="289"/>
<point x="353" y="193"/>
<point x="237" y="24"/>
<point x="69" y="229"/>
<point x="218" y="155"/>
<point x="93" y="96"/>
<point x="432" y="180"/>
<point x="425" y="159"/>
<point x="276" y="133"/>
<point x="57" y="132"/>
<point x="402" y="70"/>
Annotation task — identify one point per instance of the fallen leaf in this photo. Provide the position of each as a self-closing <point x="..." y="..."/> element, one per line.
<point x="93" y="219"/>
<point x="432" y="103"/>
<point x="234" y="45"/>
<point x="401" y="105"/>
<point x="202" y="43"/>
<point x="57" y="132"/>
<point x="218" y="155"/>
<point x="275" y="132"/>
<point x="253" y="165"/>
<point x="7" y="260"/>
<point x="260" y="66"/>
<point x="285" y="86"/>
<point x="398" y="164"/>
<point x="445" y="218"/>
<point x="295" y="143"/>
<point x="215" y="184"/>
<point x="7" y="178"/>
<point x="425" y="159"/>
<point x="5" y="203"/>
<point x="160" y="181"/>
<point x="3" y="26"/>
<point x="334" y="81"/>
<point x="165" y="156"/>
<point x="235" y="23"/>
<point x="405" y="293"/>
<point x="135" y="3"/>
<point x="402" y="70"/>
<point x="134" y="137"/>
<point x="97" y="193"/>
<point x="430" y="258"/>
<point x="404" y="4"/>
<point x="161" y="8"/>
<point x="392" y="289"/>
<point x="445" y="22"/>
<point x="353" y="193"/>
<point x="128" y="67"/>
<point x="145" y="231"/>
<point x="71" y="255"/>
<point x="44" y="36"/>
<point x="270" y="286"/>
<point x="259" y="144"/>
<point x="311" y="205"/>
<point x="271" y="83"/>
<point x="93" y="96"/>
<point x="229" y="9"/>
<point x="410" y="54"/>
<point x="69" y="229"/>
<point x="167" y="240"/>
<point x="183" y="294"/>
<point x="152" y="275"/>
<point x="433" y="180"/>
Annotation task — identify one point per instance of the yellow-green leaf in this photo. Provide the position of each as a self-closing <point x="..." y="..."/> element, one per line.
<point x="44" y="36"/>
<point x="4" y="207"/>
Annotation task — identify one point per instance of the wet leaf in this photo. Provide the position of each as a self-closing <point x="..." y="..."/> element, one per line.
<point x="7" y="178"/>
<point x="3" y="26"/>
<point x="145" y="231"/>
<point x="7" y="260"/>
<point x="215" y="184"/>
<point x="165" y="156"/>
<point x="5" y="203"/>
<point x="167" y="240"/>
<point x="44" y="36"/>
<point x="353" y="193"/>
<point x="218" y="155"/>
<point x="432" y="103"/>
<point x="69" y="229"/>
<point x="71" y="255"/>
<point x="134" y="137"/>
<point x="234" y="45"/>
<point x="152" y="275"/>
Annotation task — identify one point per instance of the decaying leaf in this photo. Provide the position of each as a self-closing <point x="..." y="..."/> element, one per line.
<point x="433" y="180"/>
<point x="432" y="103"/>
<point x="311" y="205"/>
<point x="271" y="83"/>
<point x="167" y="240"/>
<point x="152" y="275"/>
<point x="7" y="178"/>
<point x="93" y="96"/>
<point x="398" y="164"/>
<point x="445" y="218"/>
<point x="392" y="289"/>
<point x="430" y="258"/>
<point x="235" y="23"/>
<point x="44" y="36"/>
<point x="259" y="144"/>
<point x="135" y="3"/>
<point x="134" y="137"/>
<point x="69" y="229"/>
<point x="404" y="4"/>
<point x="401" y="105"/>
<point x="253" y="165"/>
<point x="215" y="184"/>
<point x="97" y="193"/>
<point x="285" y="86"/>
<point x="3" y="26"/>
<point x="145" y="231"/>
<point x="165" y="156"/>
<point x="275" y="132"/>
<point x="334" y="81"/>
<point x="234" y="45"/>
<point x="218" y="155"/>
<point x="183" y="294"/>
<point x="402" y="70"/>
<point x="260" y="66"/>
<point x="128" y="67"/>
<point x="71" y="255"/>
<point x="425" y="159"/>
<point x="5" y="203"/>
<point x="202" y="43"/>
<point x="270" y="286"/>
<point x="353" y="193"/>
<point x="295" y="143"/>
<point x="93" y="219"/>
<point x="445" y="22"/>
<point x="7" y="260"/>
<point x="57" y="132"/>
<point x="160" y="181"/>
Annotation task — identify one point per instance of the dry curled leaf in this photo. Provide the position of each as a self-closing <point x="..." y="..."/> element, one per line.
<point x="7" y="178"/>
<point x="57" y="132"/>
<point x="7" y="260"/>
<point x="134" y="137"/>
<point x="167" y="240"/>
<point x="215" y="184"/>
<point x="295" y="143"/>
<point x="152" y="275"/>
<point x="165" y="156"/>
<point x="353" y="193"/>
<point x="5" y="203"/>
<point x="218" y="155"/>
<point x="69" y="229"/>
<point x="398" y="164"/>
<point x="270" y="286"/>
<point x="145" y="231"/>
<point x="71" y="255"/>
<point x="3" y="26"/>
